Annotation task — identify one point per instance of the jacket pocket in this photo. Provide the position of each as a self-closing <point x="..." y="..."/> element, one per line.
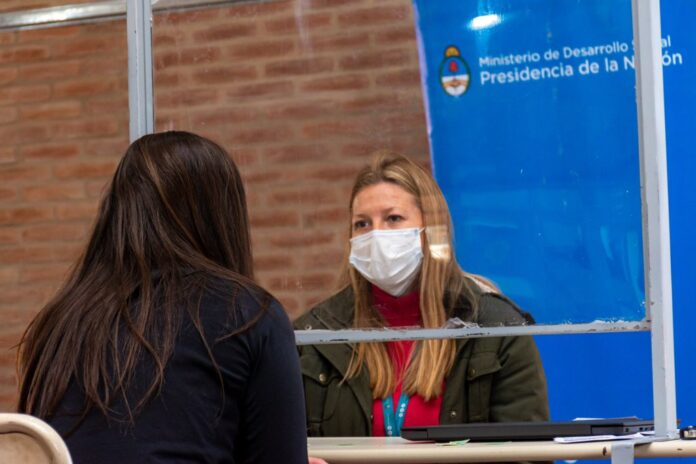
<point x="320" y="401"/>
<point x="479" y="376"/>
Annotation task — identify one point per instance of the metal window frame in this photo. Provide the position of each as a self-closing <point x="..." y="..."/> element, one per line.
<point x="99" y="10"/>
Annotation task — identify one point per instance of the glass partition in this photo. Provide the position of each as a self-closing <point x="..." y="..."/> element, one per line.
<point x="64" y="126"/>
<point x="535" y="149"/>
<point x="301" y="94"/>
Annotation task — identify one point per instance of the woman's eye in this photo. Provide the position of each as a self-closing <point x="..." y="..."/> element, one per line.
<point x="357" y="225"/>
<point x="394" y="218"/>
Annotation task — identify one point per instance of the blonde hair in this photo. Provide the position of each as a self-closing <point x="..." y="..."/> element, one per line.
<point x="431" y="360"/>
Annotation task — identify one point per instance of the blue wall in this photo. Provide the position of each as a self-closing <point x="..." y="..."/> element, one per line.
<point x="541" y="177"/>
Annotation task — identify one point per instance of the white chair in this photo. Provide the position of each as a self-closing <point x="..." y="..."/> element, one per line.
<point x="27" y="440"/>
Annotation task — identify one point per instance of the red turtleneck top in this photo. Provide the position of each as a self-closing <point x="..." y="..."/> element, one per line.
<point x="402" y="311"/>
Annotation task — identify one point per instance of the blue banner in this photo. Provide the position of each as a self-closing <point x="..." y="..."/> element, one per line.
<point x="533" y="131"/>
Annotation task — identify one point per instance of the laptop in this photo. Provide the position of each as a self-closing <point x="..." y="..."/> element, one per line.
<point x="520" y="431"/>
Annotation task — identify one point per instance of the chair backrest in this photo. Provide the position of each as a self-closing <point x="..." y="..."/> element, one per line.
<point x="26" y="439"/>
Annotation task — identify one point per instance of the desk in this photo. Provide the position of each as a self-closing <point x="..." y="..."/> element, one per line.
<point x="353" y="450"/>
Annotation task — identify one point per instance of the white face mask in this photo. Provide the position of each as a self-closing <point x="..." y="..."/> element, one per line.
<point x="389" y="259"/>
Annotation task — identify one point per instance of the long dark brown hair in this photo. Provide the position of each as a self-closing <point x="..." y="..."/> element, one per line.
<point x="173" y="216"/>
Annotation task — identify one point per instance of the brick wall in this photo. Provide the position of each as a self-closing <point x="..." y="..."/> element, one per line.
<point x="300" y="92"/>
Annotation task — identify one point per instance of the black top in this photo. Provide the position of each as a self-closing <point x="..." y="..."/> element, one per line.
<point x="260" y="420"/>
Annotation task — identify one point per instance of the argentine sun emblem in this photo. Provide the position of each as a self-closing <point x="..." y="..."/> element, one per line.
<point x="454" y="72"/>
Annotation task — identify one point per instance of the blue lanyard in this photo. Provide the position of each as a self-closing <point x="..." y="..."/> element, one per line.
<point x="394" y="420"/>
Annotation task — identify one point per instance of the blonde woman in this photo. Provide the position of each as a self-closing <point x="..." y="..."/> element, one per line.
<point x="401" y="271"/>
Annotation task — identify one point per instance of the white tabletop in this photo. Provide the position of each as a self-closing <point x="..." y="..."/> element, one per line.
<point x="397" y="450"/>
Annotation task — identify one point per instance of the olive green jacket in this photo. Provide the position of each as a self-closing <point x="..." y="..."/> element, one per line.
<point x="498" y="379"/>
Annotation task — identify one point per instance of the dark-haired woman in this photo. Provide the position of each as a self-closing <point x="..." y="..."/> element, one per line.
<point x="160" y="347"/>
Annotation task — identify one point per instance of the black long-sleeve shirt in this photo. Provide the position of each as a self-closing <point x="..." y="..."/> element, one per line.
<point x="259" y="419"/>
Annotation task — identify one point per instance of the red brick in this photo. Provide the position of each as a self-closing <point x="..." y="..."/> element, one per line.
<point x="164" y="60"/>
<point x="378" y="102"/>
<point x="185" y="98"/>
<point x="77" y="210"/>
<point x="167" y="79"/>
<point x="25" y="214"/>
<point x="305" y="195"/>
<point x="52" y="273"/>
<point x="305" y="282"/>
<point x="7" y="37"/>
<point x="225" y="32"/>
<point x="408" y="78"/>
<point x="333" y="4"/>
<point x="369" y="17"/>
<point x="24" y="94"/>
<point x="17" y="316"/>
<point x="224" y="116"/>
<point x="67" y="252"/>
<point x="96" y="189"/>
<point x="333" y="173"/>
<point x="94" y="46"/>
<point x="299" y="67"/>
<point x="272" y="262"/>
<point x="261" y="136"/>
<point x="303" y="23"/>
<point x="9" y="236"/>
<point x="378" y="59"/>
<point x="85" y="87"/>
<point x="7" y="193"/>
<point x="49" y="71"/>
<point x="266" y="90"/>
<point x="24" y="54"/>
<point x="263" y="177"/>
<point x="85" y="129"/>
<point x="274" y="219"/>
<point x="260" y="49"/>
<point x="24" y="255"/>
<point x="337" y="83"/>
<point x="51" y="111"/>
<point x="19" y="134"/>
<point x="8" y="155"/>
<point x="59" y="232"/>
<point x="25" y="295"/>
<point x="85" y="169"/>
<point x="8" y="115"/>
<point x="108" y="66"/>
<point x="403" y="34"/>
<point x="333" y="258"/>
<point x="402" y="122"/>
<point x="166" y="38"/>
<point x="8" y="276"/>
<point x="48" y="33"/>
<point x="326" y="216"/>
<point x="116" y="106"/>
<point x="8" y="75"/>
<point x="112" y="147"/>
<point x="299" y="110"/>
<point x="290" y="154"/>
<point x="50" y="151"/>
<point x="24" y="173"/>
<point x="54" y="192"/>
<point x="332" y="128"/>
<point x="340" y="42"/>
<point x="224" y="75"/>
<point x="191" y="56"/>
<point x="184" y="18"/>
<point x="257" y="10"/>
<point x="302" y="239"/>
